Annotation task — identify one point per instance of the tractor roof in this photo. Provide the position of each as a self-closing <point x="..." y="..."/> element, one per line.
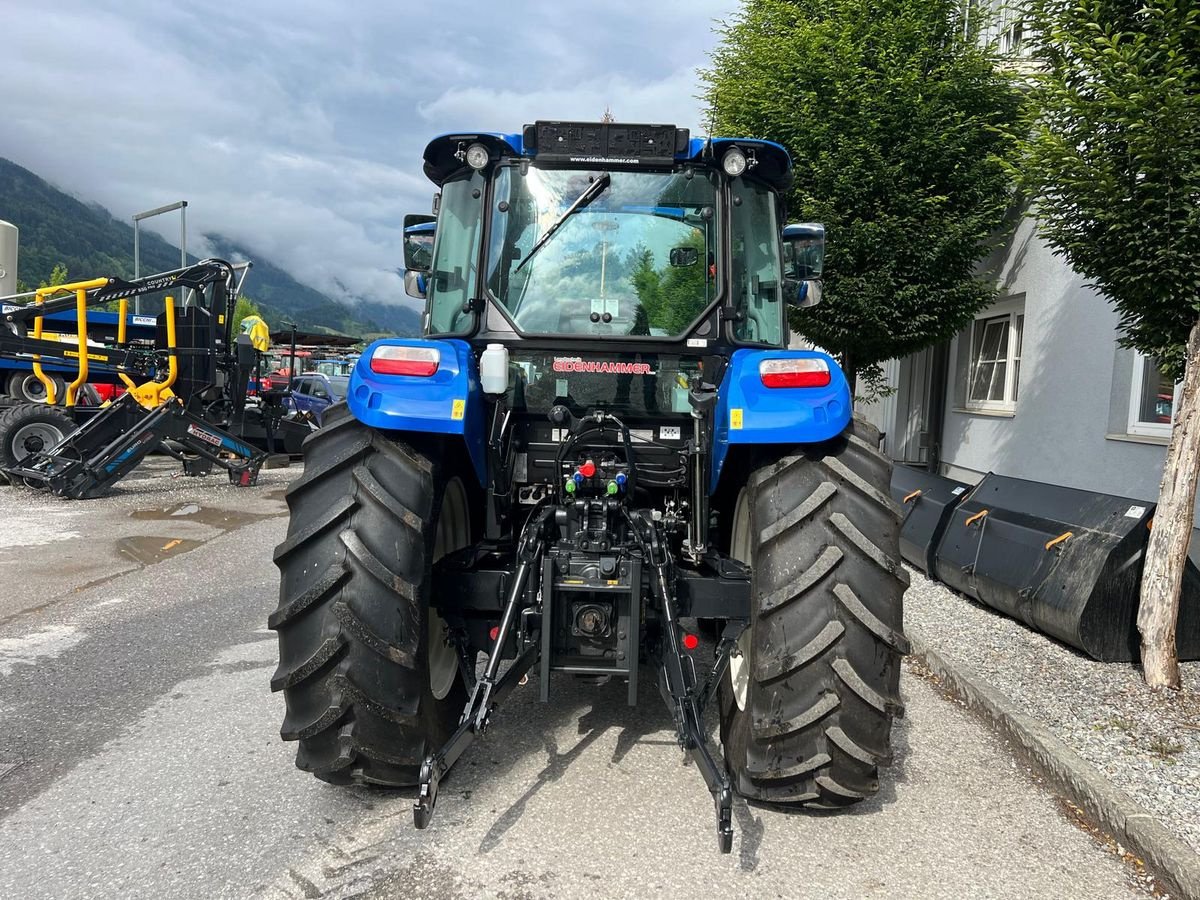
<point x="444" y="154"/>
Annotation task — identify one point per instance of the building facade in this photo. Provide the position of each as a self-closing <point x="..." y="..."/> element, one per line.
<point x="1036" y="387"/>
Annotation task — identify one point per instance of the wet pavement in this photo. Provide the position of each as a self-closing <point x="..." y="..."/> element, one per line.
<point x="148" y="517"/>
<point x="140" y="757"/>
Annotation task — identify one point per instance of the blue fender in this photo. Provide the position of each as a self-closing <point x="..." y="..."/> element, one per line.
<point x="449" y="401"/>
<point x="749" y="413"/>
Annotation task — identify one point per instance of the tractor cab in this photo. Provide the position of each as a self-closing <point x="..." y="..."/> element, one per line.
<point x="601" y="231"/>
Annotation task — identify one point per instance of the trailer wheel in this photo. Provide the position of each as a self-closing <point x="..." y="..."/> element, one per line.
<point x="807" y="708"/>
<point x="24" y="387"/>
<point x="28" y="428"/>
<point x="369" y="682"/>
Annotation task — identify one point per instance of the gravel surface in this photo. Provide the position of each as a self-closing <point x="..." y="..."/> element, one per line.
<point x="1147" y="743"/>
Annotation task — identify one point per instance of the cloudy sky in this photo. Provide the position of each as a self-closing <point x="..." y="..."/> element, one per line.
<point x="296" y="128"/>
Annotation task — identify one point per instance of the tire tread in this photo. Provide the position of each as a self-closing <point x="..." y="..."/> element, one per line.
<point x="350" y="619"/>
<point x="827" y="627"/>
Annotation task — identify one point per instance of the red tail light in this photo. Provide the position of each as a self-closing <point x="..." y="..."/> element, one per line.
<point x="393" y="360"/>
<point x="794" y="373"/>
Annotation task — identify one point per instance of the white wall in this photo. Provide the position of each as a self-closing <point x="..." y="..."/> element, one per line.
<point x="1072" y="411"/>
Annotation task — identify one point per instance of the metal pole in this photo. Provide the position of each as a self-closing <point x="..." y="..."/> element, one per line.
<point x="292" y="364"/>
<point x="183" y="247"/>
<point x="180" y="205"/>
<point x="137" y="263"/>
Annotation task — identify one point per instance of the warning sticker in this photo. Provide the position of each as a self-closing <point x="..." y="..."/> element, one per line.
<point x="458" y="409"/>
<point x="669" y="433"/>
<point x="1135" y="512"/>
<point x="735" y="419"/>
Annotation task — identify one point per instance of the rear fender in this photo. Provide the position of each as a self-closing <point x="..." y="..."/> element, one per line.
<point x="749" y="413"/>
<point x="447" y="402"/>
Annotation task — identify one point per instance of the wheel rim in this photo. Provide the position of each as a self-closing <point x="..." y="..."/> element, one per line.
<point x="452" y="532"/>
<point x="33" y="437"/>
<point x="740" y="549"/>
<point x="32" y="389"/>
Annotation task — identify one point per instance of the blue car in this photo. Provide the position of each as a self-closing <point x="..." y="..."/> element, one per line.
<point x="313" y="393"/>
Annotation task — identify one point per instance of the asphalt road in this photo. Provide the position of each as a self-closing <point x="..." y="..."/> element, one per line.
<point x="139" y="756"/>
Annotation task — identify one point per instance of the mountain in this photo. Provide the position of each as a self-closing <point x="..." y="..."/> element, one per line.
<point x="282" y="299"/>
<point x="397" y="318"/>
<point x="57" y="228"/>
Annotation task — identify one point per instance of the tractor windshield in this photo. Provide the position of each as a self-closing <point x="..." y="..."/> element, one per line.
<point x="638" y="255"/>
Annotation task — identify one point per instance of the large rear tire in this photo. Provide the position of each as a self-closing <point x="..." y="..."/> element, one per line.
<point x="370" y="684"/>
<point x="807" y="708"/>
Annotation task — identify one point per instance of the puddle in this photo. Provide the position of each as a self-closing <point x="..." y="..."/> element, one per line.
<point x="149" y="549"/>
<point x="225" y="519"/>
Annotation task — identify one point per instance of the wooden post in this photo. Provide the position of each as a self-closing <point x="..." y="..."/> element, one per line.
<point x="1166" y="556"/>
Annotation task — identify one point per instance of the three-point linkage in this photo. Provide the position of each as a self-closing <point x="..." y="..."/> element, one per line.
<point x="492" y="687"/>
<point x="684" y="694"/>
<point x="677" y="682"/>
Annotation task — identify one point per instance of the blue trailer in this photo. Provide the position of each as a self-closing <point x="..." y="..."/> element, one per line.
<point x="600" y="440"/>
<point x="17" y="380"/>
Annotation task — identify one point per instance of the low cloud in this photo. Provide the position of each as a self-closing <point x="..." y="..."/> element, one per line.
<point x="296" y="129"/>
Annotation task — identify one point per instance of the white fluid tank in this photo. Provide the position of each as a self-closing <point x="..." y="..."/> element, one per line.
<point x="8" y="258"/>
<point x="493" y="369"/>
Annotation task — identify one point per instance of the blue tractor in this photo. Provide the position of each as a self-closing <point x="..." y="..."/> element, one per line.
<point x="599" y="448"/>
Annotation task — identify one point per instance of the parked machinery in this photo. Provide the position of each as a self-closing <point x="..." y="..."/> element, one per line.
<point x="189" y="387"/>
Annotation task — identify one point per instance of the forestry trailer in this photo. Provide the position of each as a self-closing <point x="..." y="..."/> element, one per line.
<point x="600" y="439"/>
<point x="187" y="386"/>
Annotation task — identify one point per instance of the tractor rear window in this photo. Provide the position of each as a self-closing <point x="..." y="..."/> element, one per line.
<point x="603" y="253"/>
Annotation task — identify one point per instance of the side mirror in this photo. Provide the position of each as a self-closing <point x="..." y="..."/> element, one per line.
<point x="802" y="292"/>
<point x="414" y="283"/>
<point x="419" y="231"/>
<point x="682" y="257"/>
<point x="804" y="250"/>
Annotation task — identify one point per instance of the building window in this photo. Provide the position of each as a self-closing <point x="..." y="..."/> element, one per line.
<point x="1004" y="28"/>
<point x="994" y="374"/>
<point x="1153" y="399"/>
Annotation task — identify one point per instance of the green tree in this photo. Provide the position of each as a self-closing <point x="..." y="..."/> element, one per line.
<point x="680" y="290"/>
<point x="58" y="275"/>
<point x="1112" y="162"/>
<point x="245" y="307"/>
<point x="647" y="283"/>
<point x="896" y="119"/>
